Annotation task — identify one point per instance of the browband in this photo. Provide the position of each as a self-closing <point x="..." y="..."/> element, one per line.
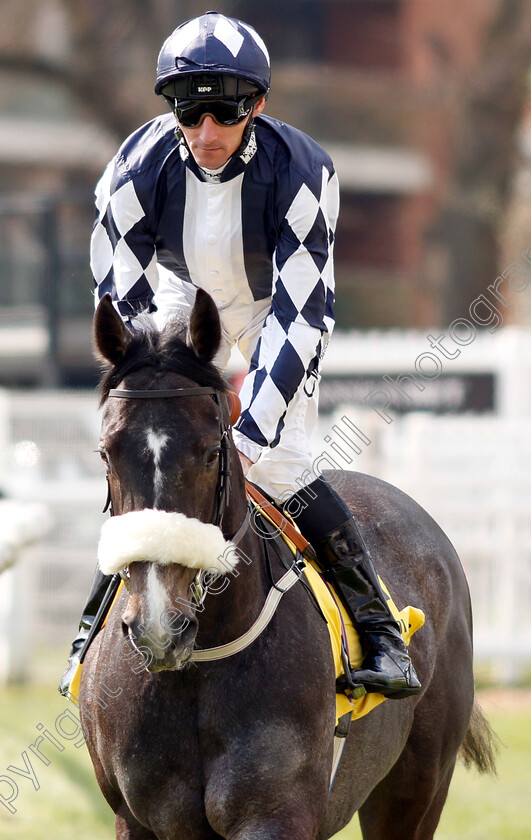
<point x="234" y="400"/>
<point x="167" y="392"/>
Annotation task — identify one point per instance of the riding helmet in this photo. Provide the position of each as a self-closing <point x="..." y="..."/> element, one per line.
<point x="228" y="51"/>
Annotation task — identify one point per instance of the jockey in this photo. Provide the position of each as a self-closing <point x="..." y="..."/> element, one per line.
<point x="218" y="196"/>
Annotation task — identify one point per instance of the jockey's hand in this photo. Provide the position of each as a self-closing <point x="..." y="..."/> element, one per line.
<point x="245" y="462"/>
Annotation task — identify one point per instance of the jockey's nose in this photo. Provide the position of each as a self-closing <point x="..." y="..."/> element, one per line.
<point x="208" y="129"/>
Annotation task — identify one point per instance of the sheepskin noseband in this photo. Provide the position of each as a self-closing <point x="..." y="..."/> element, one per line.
<point x="160" y="537"/>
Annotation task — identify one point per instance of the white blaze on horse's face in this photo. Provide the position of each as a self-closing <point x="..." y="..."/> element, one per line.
<point x="156" y="441"/>
<point x="158" y="602"/>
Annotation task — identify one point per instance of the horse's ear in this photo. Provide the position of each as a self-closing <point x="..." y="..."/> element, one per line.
<point x="111" y="336"/>
<point x="204" y="334"/>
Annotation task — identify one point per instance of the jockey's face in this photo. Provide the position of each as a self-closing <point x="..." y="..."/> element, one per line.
<point x="211" y="143"/>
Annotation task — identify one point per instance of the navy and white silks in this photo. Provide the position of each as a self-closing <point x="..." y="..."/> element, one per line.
<point x="258" y="237"/>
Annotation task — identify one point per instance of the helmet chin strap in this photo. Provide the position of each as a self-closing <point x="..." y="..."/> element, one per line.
<point x="179" y="135"/>
<point x="249" y="128"/>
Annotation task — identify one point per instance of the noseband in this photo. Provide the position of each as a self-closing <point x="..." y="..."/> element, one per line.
<point x="224" y="472"/>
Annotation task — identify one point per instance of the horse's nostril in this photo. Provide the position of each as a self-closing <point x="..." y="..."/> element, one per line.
<point x="125" y="628"/>
<point x="188" y="634"/>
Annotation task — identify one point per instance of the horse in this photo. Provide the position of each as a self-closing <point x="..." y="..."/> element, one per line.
<point x="241" y="747"/>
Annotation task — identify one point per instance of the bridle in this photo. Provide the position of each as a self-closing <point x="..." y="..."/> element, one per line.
<point x="278" y="589"/>
<point x="224" y="471"/>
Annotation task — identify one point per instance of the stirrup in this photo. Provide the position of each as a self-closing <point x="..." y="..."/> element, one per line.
<point x="377" y="679"/>
<point x="66" y="680"/>
<point x="346" y="685"/>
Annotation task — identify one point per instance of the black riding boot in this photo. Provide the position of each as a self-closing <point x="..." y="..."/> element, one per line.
<point x="328" y="524"/>
<point x="98" y="590"/>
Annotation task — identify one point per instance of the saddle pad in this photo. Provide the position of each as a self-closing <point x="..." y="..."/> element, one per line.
<point x="410" y="620"/>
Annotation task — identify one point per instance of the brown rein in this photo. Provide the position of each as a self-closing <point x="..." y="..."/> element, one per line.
<point x="283" y="524"/>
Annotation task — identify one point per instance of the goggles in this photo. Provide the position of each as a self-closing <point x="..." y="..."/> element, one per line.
<point x="189" y="112"/>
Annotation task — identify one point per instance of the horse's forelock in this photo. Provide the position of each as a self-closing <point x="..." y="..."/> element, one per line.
<point x="164" y="351"/>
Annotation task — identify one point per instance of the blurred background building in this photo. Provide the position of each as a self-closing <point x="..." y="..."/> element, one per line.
<point x="425" y="109"/>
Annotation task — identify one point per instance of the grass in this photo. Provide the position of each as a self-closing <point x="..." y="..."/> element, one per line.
<point x="480" y="807"/>
<point x="68" y="803"/>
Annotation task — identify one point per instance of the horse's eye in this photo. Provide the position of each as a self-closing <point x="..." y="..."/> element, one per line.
<point x="103" y="455"/>
<point x="213" y="456"/>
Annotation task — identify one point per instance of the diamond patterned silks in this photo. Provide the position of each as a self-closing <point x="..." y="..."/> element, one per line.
<point x="142" y="196"/>
<point x="300" y="313"/>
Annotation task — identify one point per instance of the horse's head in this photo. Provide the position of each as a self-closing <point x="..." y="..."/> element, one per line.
<point x="166" y="443"/>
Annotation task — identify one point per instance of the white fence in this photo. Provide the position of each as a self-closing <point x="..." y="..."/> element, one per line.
<point x="50" y="457"/>
<point x="473" y="474"/>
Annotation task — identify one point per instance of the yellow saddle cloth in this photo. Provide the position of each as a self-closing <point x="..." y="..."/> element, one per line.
<point x="409" y="619"/>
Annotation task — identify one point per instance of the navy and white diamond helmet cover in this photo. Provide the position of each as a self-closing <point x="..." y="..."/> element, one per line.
<point x="215" y="44"/>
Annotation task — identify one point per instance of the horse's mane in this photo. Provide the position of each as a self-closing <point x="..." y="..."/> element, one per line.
<point x="164" y="351"/>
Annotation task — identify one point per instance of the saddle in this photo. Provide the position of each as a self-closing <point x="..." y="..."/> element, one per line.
<point x="344" y="638"/>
